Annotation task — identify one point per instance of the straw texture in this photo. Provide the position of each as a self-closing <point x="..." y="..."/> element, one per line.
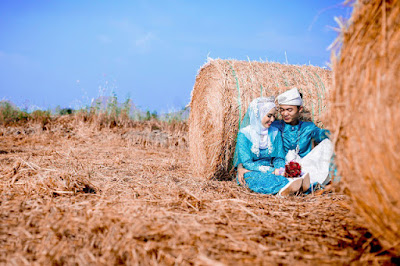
<point x="366" y="113"/>
<point x="143" y="207"/>
<point x="221" y="95"/>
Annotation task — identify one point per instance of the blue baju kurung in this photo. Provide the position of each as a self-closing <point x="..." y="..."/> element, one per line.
<point x="301" y="134"/>
<point x="257" y="180"/>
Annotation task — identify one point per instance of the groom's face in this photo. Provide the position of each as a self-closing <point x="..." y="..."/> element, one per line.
<point x="290" y="113"/>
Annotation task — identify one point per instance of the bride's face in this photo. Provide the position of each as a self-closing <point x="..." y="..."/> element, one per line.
<point x="267" y="120"/>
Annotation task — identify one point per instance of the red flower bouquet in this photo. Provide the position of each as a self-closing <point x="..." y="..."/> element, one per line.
<point x="292" y="169"/>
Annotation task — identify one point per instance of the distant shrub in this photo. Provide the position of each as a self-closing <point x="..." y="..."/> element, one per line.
<point x="40" y="116"/>
<point x="177" y="116"/>
<point x="9" y="113"/>
<point x="63" y="111"/>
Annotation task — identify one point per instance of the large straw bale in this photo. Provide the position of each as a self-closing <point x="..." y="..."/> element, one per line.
<point x="221" y="95"/>
<point x="365" y="116"/>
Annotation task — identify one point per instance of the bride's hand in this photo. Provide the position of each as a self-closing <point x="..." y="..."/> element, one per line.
<point x="241" y="180"/>
<point x="279" y="171"/>
<point x="241" y="171"/>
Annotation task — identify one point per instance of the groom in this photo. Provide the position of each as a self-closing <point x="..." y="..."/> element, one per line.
<point x="297" y="135"/>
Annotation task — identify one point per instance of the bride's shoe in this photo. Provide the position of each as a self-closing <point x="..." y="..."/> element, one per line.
<point x="306" y="182"/>
<point x="292" y="187"/>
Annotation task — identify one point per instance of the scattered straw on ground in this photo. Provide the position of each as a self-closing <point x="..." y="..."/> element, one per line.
<point x="93" y="197"/>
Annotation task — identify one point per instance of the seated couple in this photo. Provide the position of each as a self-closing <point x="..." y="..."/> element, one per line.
<point x="265" y="146"/>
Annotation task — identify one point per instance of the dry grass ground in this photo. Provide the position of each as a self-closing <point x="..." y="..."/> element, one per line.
<point x="80" y="195"/>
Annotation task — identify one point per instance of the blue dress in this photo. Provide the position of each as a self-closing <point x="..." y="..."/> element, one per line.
<point x="256" y="180"/>
<point x="302" y="134"/>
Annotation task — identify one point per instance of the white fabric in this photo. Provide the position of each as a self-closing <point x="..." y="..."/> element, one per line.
<point x="317" y="162"/>
<point x="265" y="141"/>
<point x="292" y="156"/>
<point x="255" y="138"/>
<point x="265" y="107"/>
<point x="290" y="97"/>
<point x="291" y="180"/>
<point x="255" y="131"/>
<point x="264" y="168"/>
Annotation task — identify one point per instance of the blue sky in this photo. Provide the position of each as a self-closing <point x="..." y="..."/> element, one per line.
<point x="65" y="53"/>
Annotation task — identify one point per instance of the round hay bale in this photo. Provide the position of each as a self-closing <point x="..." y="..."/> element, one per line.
<point x="365" y="116"/>
<point x="221" y="95"/>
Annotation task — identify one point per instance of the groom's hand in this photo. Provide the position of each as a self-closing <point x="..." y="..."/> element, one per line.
<point x="279" y="171"/>
<point x="241" y="171"/>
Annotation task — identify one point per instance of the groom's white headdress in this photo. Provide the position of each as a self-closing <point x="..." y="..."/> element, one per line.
<point x="290" y="97"/>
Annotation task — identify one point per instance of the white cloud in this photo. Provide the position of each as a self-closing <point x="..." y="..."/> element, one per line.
<point x="137" y="37"/>
<point x="144" y="41"/>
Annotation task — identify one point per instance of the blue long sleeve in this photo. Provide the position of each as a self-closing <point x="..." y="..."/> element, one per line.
<point x="279" y="159"/>
<point x="251" y="162"/>
<point x="319" y="134"/>
<point x="245" y="156"/>
<point x="301" y="134"/>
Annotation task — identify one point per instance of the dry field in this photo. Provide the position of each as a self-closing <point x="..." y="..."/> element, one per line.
<point x="75" y="194"/>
